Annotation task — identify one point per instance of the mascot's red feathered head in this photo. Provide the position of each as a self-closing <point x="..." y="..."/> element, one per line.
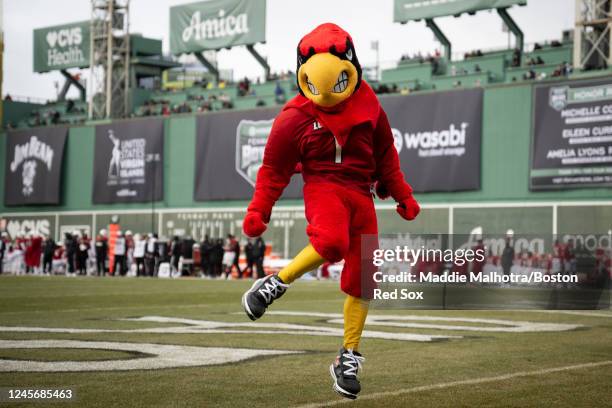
<point x="328" y="71"/>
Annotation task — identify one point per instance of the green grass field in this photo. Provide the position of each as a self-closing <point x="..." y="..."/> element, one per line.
<point x="569" y="366"/>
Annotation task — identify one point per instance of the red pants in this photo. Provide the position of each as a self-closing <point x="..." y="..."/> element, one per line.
<point x="337" y="218"/>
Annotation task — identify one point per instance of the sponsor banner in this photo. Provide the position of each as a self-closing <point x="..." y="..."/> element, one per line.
<point x="216" y="24"/>
<point x="61" y="47"/>
<point x="438" y="138"/>
<point x="129" y="161"/>
<point x="16" y="225"/>
<point x="33" y="166"/>
<point x="240" y="135"/>
<point x="572" y="135"/>
<point x="406" y="10"/>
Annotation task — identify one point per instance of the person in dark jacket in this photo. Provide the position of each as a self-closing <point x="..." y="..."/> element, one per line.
<point x="187" y="254"/>
<point x="249" y="252"/>
<point x="151" y="255"/>
<point x="507" y="257"/>
<point x="101" y="253"/>
<point x="205" y="254"/>
<point x="71" y="247"/>
<point x="216" y="260"/>
<point x="49" y="248"/>
<point x="234" y="246"/>
<point x="3" y="249"/>
<point x="260" y="253"/>
<point x="175" y="252"/>
<point x="82" y="254"/>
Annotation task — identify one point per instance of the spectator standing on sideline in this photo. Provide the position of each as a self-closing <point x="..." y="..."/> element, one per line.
<point x="175" y="253"/>
<point x="249" y="252"/>
<point x="19" y="247"/>
<point x="82" y="254"/>
<point x="129" y="249"/>
<point x="234" y="246"/>
<point x="218" y="253"/>
<point x="569" y="257"/>
<point x="33" y="252"/>
<point x="477" y="266"/>
<point x="507" y="257"/>
<point x="120" y="253"/>
<point x="48" y="251"/>
<point x="151" y="255"/>
<point x="101" y="253"/>
<point x="139" y="254"/>
<point x="205" y="257"/>
<point x="260" y="253"/>
<point x="70" y="247"/>
<point x="187" y="254"/>
<point x="3" y="245"/>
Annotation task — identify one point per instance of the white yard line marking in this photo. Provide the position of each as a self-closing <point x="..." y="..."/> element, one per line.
<point x="473" y="381"/>
<point x="435" y="322"/>
<point x="600" y="313"/>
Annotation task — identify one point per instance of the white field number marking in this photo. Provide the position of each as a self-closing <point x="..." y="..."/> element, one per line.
<point x="160" y="356"/>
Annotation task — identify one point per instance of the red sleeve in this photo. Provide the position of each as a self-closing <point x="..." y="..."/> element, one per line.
<point x="388" y="169"/>
<point x="279" y="162"/>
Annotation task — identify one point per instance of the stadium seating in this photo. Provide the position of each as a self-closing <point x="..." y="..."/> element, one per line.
<point x="478" y="69"/>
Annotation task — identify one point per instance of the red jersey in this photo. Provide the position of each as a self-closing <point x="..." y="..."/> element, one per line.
<point x="368" y="154"/>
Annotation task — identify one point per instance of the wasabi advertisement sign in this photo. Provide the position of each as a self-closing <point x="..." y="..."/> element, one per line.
<point x="572" y="135"/>
<point x="406" y="10"/>
<point x="216" y="24"/>
<point x="61" y="47"/>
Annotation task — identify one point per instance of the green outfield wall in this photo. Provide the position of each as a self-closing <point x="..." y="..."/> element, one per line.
<point x="506" y="138"/>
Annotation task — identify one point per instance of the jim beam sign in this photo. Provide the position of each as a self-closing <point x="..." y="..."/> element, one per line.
<point x="61" y="47"/>
<point x="216" y="24"/>
<point x="33" y="166"/>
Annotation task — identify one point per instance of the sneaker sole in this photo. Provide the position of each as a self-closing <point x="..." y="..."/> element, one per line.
<point x="339" y="390"/>
<point x="245" y="304"/>
<point x="246" y="308"/>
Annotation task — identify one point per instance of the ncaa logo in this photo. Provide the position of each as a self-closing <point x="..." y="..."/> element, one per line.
<point x="251" y="138"/>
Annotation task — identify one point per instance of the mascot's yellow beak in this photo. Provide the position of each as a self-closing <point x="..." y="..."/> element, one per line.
<point x="327" y="80"/>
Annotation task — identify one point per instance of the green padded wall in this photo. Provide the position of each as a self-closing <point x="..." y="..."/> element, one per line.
<point x="505" y="162"/>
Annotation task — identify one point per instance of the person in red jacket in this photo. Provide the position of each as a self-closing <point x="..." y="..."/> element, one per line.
<point x="337" y="133"/>
<point x="33" y="253"/>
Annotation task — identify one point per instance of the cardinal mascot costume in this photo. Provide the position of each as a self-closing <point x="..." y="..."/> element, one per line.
<point x="337" y="134"/>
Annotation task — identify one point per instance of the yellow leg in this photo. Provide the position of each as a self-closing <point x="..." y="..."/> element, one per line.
<point x="307" y="260"/>
<point x="355" y="313"/>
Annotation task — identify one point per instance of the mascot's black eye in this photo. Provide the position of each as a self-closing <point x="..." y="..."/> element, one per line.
<point x="349" y="55"/>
